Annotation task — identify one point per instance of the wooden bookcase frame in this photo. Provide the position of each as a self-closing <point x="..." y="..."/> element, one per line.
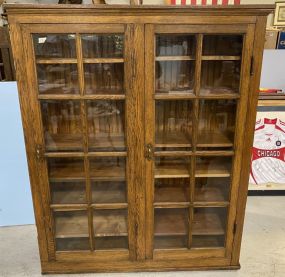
<point x="139" y="25"/>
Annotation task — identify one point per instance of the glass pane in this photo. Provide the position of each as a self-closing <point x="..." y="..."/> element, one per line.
<point x="68" y="193"/>
<point x="174" y="68"/>
<point x="213" y="166"/>
<point x="173" y="124"/>
<point x="220" y="77"/>
<point x="226" y="45"/>
<point x="109" y="243"/>
<point x="54" y="45"/>
<point x="212" y="189"/>
<point x="172" y="167"/>
<point x="104" y="78"/>
<point x="108" y="169"/>
<point x="208" y="241"/>
<point x="174" y="76"/>
<point x="172" y="190"/>
<point x="216" y="123"/>
<point x="66" y="169"/>
<point x="109" y="192"/>
<point x="209" y="222"/>
<point x="175" y="45"/>
<point x="57" y="78"/>
<point x="71" y="230"/>
<point x="110" y="223"/>
<point x="170" y="228"/>
<point x="170" y="242"/>
<point x="103" y="46"/>
<point x="75" y="244"/>
<point x="106" y="125"/>
<point x="62" y="125"/>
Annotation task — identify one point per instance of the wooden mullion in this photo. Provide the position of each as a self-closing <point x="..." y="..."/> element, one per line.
<point x="84" y="123"/>
<point x="195" y="122"/>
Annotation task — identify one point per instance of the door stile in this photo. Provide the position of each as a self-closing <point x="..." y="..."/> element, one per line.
<point x="149" y="135"/>
<point x="134" y="84"/>
<point x="252" y="99"/>
<point x="34" y="105"/>
<point x="198" y="64"/>
<point x="27" y="112"/>
<point x="84" y="123"/>
<point x="239" y="133"/>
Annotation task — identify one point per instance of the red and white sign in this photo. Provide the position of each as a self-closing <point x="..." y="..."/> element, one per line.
<point x="205" y="2"/>
<point x="268" y="152"/>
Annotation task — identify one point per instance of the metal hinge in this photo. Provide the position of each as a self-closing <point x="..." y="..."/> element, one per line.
<point x="251" y="66"/>
<point x="149" y="151"/>
<point x="39" y="152"/>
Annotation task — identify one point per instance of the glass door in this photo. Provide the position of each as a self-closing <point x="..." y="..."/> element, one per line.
<point x="193" y="103"/>
<point x="81" y="92"/>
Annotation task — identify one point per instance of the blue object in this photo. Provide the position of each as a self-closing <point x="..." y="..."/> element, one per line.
<point x="281" y="41"/>
<point x="15" y="196"/>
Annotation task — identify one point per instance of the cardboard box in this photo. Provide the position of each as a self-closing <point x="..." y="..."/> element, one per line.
<point x="271" y="37"/>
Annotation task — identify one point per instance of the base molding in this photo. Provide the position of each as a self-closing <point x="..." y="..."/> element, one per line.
<point x="145" y="266"/>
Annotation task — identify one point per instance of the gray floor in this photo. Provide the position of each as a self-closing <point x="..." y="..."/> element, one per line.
<point x="263" y="247"/>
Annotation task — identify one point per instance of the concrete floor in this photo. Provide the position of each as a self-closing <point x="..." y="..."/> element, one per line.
<point x="263" y="247"/>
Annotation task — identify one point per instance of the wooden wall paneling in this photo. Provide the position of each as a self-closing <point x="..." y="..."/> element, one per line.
<point x="252" y="99"/>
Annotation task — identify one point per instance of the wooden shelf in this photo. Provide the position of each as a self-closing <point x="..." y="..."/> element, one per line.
<point x="99" y="141"/>
<point x="110" y="223"/>
<point x="109" y="192"/>
<point x="104" y="194"/>
<point x="174" y="94"/>
<point x="220" y="58"/>
<point x="171" y="242"/>
<point x="75" y="225"/>
<point x="172" y="139"/>
<point x="103" y="172"/>
<point x="67" y="172"/>
<point x="74" y="142"/>
<point x="170" y="222"/>
<point x="68" y="193"/>
<point x="175" y="58"/>
<point x="45" y="92"/>
<point x="64" y="142"/>
<point x="218" y="93"/>
<point x="171" y="171"/>
<point x="99" y="96"/>
<point x="213" y="139"/>
<point x="75" y="172"/>
<point x="172" y="193"/>
<point x="56" y="61"/>
<point x="106" y="224"/>
<point x="103" y="60"/>
<point x="208" y="241"/>
<point x="217" y="168"/>
<point x="208" y="224"/>
<point x="211" y="194"/>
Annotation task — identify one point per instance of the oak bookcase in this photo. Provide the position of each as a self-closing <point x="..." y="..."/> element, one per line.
<point x="138" y="125"/>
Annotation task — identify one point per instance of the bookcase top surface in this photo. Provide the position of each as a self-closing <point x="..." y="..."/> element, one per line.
<point x="139" y="9"/>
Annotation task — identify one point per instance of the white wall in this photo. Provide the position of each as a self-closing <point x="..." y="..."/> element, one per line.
<point x="15" y="196"/>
